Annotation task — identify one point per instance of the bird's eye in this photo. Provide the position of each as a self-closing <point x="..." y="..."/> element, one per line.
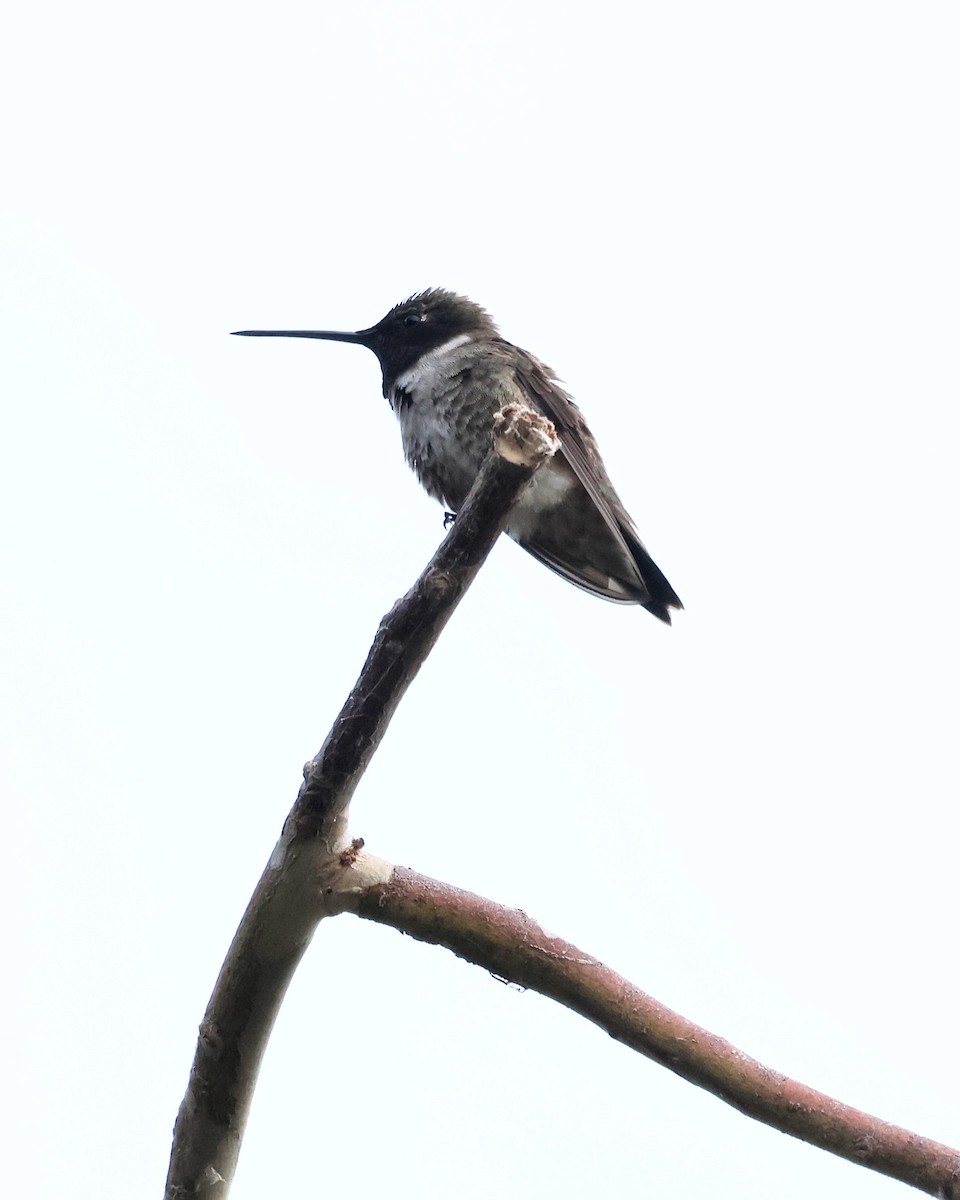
<point x="412" y="318"/>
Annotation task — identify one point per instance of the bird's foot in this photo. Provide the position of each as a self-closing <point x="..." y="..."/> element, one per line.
<point x="448" y="519"/>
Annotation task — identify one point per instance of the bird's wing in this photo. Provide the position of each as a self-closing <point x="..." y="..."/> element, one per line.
<point x="577" y="443"/>
<point x="579" y="448"/>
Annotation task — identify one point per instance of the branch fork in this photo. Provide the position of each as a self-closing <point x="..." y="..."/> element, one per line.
<point x="318" y="870"/>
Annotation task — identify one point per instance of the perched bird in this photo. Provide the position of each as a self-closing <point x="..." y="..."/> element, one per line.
<point x="446" y="373"/>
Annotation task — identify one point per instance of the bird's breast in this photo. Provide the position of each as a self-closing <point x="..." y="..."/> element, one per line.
<point x="445" y="406"/>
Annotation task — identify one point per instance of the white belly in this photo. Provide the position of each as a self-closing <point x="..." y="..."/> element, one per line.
<point x="550" y="486"/>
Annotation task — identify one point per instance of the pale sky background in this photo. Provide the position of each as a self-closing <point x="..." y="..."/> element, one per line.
<point x="733" y="231"/>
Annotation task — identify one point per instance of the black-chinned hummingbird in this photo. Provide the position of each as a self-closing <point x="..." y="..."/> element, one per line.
<point x="446" y="373"/>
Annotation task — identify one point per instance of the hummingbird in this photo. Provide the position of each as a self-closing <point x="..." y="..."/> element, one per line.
<point x="447" y="372"/>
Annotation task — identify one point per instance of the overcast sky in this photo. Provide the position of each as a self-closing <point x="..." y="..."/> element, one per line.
<point x="732" y="230"/>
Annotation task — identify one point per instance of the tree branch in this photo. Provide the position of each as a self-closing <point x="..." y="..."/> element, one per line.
<point x="314" y="867"/>
<point x="513" y="947"/>
<point x="316" y="871"/>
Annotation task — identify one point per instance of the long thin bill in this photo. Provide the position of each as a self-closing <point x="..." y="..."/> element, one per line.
<point x="326" y="335"/>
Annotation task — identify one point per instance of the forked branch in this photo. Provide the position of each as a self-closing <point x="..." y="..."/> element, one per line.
<point x="316" y="871"/>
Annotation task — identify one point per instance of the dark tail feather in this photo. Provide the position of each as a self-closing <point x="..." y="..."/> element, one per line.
<point x="660" y="596"/>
